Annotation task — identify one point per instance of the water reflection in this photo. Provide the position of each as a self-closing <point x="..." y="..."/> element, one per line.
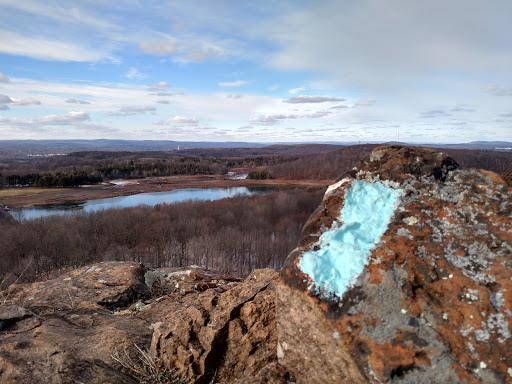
<point x="150" y="199"/>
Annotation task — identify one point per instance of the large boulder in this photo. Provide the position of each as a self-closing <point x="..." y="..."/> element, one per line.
<point x="403" y="274"/>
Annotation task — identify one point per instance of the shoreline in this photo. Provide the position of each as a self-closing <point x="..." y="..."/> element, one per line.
<point x="25" y="197"/>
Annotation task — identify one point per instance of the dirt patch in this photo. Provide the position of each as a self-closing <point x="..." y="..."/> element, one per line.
<point x="28" y="197"/>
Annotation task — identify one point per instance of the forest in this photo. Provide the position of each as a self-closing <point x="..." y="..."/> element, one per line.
<point x="98" y="166"/>
<point x="233" y="235"/>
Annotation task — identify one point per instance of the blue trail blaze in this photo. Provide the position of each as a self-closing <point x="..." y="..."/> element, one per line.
<point x="344" y="251"/>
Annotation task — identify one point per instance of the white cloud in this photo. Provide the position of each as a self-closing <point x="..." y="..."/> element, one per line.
<point x="160" y="84"/>
<point x="456" y="122"/>
<point x="163" y="94"/>
<point x="200" y="51"/>
<point x="65" y="119"/>
<point x="23" y="102"/>
<point x="138" y="109"/>
<point x="177" y="120"/>
<point x="237" y="83"/>
<point x="76" y="101"/>
<point x="4" y="99"/>
<point x="271" y="119"/>
<point x="162" y="102"/>
<point x="432" y="113"/>
<point x="134" y="73"/>
<point x="46" y="49"/>
<point x="369" y="43"/>
<point x="312" y="99"/>
<point x="365" y="102"/>
<point x="462" y="109"/>
<point x="132" y="110"/>
<point x="196" y="56"/>
<point x="500" y="91"/>
<point x="162" y="47"/>
<point x="61" y="14"/>
<point x="294" y="91"/>
<point x="3" y="78"/>
<point x="318" y="114"/>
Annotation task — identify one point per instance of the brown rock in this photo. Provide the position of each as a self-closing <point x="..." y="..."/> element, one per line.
<point x="224" y="334"/>
<point x="434" y="301"/>
<point x="67" y="329"/>
<point x="62" y="331"/>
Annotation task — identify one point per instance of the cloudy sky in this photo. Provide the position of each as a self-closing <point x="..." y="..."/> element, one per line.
<point x="256" y="70"/>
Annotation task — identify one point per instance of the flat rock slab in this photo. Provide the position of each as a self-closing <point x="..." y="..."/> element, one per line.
<point x="432" y="302"/>
<point x="194" y="324"/>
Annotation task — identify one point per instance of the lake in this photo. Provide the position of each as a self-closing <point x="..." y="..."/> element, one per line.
<point x="151" y="199"/>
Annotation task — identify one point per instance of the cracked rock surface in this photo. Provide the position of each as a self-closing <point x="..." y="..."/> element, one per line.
<point x="434" y="301"/>
<point x="203" y="326"/>
<point x="226" y="334"/>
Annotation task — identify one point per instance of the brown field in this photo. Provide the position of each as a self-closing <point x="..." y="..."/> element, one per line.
<point x="14" y="192"/>
<point x="29" y="196"/>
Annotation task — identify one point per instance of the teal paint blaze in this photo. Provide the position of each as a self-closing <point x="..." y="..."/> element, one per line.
<point x="344" y="251"/>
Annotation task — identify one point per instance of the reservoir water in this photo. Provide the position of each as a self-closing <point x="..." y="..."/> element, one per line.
<point x="150" y="199"/>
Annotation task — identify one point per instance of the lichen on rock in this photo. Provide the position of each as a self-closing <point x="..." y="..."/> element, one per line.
<point x="433" y="301"/>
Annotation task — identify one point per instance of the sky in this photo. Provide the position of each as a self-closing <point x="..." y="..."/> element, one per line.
<point x="437" y="71"/>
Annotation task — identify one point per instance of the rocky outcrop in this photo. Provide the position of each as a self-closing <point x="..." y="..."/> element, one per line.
<point x="197" y="325"/>
<point x="222" y="335"/>
<point x="64" y="330"/>
<point x="403" y="274"/>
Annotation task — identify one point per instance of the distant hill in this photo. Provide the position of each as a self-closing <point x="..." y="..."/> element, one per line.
<point x="45" y="148"/>
<point x="275" y="149"/>
<point x="24" y="148"/>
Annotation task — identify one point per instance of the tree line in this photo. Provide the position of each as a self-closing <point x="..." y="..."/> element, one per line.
<point x="233" y="235"/>
<point x="48" y="180"/>
<point x="181" y="166"/>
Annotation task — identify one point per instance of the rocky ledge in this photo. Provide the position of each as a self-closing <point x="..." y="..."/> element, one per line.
<point x="120" y="323"/>
<point x="403" y="274"/>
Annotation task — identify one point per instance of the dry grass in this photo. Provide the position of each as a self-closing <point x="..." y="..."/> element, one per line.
<point x="24" y="191"/>
<point x="140" y="365"/>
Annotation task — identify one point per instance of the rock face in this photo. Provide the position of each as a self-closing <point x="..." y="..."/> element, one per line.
<point x="224" y="335"/>
<point x="403" y="274"/>
<point x="200" y="325"/>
